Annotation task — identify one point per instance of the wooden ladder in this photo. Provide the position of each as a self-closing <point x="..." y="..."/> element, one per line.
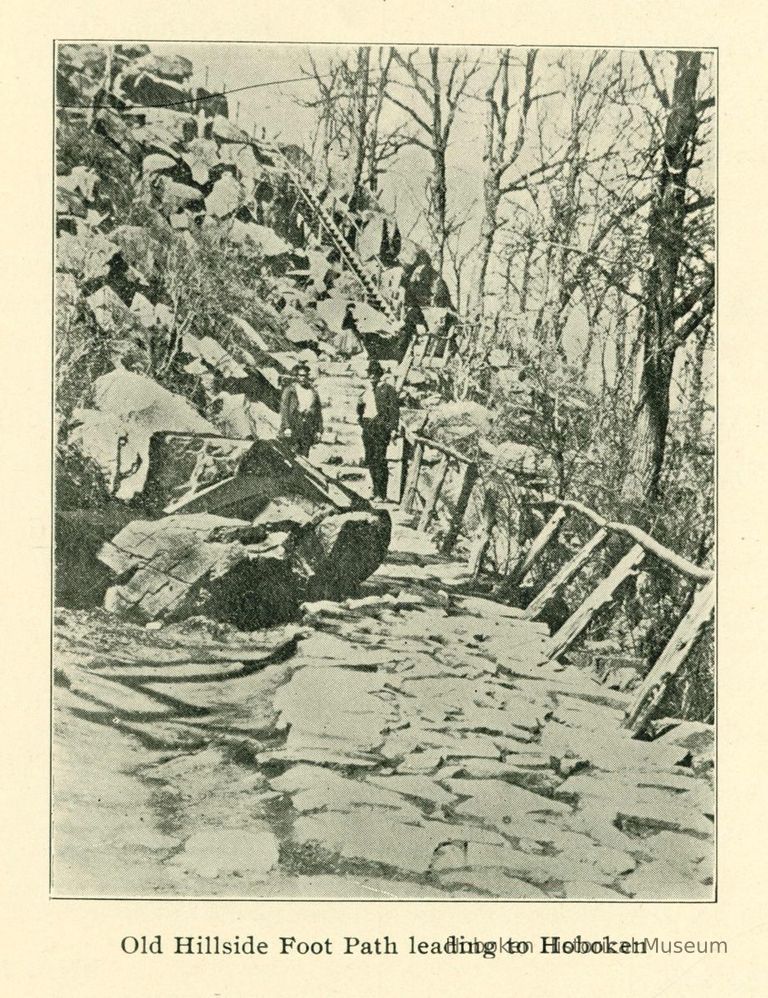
<point x="351" y="259"/>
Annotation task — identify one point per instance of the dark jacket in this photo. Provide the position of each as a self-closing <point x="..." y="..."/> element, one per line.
<point x="387" y="409"/>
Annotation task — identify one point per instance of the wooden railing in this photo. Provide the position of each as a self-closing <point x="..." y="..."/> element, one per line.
<point x="690" y="626"/>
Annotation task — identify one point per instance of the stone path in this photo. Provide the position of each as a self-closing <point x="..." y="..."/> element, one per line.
<point x="418" y="744"/>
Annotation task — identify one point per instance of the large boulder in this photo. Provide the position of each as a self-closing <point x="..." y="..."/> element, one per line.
<point x="457" y="423"/>
<point x="247" y="574"/>
<point x="116" y="429"/>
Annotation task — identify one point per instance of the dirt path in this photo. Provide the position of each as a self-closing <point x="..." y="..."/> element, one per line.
<point x="417" y="744"/>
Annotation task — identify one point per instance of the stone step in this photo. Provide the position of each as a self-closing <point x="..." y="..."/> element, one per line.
<point x="341" y="377"/>
<point x="338" y="435"/>
<point x="332" y="417"/>
<point x="329" y="397"/>
<point x="323" y="453"/>
<point x="342" y="407"/>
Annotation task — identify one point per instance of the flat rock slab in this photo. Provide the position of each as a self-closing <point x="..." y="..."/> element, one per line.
<point x="547" y="872"/>
<point x="693" y="856"/>
<point x="610" y="750"/>
<point x="313" y="788"/>
<point x="420" y="787"/>
<point x="378" y="838"/>
<point x="494" y="882"/>
<point x="500" y="803"/>
<point x="490" y="769"/>
<point x="696" y="737"/>
<point x="447" y="747"/>
<point x="213" y="853"/>
<point x="659" y="880"/>
<point x="336" y="703"/>
<point x="637" y="808"/>
<point x="324" y="648"/>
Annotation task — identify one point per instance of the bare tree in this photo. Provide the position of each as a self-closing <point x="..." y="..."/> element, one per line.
<point x="326" y="105"/>
<point x="348" y="105"/>
<point x="505" y="132"/>
<point x="671" y="314"/>
<point x="431" y="103"/>
<point x="359" y="117"/>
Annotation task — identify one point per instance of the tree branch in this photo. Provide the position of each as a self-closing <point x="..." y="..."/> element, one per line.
<point x="660" y="92"/>
<point x="694" y="296"/>
<point x="413" y="114"/>
<point x="694" y="320"/>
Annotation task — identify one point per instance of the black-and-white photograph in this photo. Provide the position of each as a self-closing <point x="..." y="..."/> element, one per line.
<point x="384" y="466"/>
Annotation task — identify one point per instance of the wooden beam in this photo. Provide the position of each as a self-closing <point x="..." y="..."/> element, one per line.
<point x="405" y="365"/>
<point x="443" y="449"/>
<point x="672" y="658"/>
<point x="566" y="573"/>
<point x="654" y="547"/>
<point x="468" y="479"/>
<point x="412" y="480"/>
<point x="441" y="470"/>
<point x="580" y="619"/>
<point x="547" y="533"/>
<point x="483" y="538"/>
<point x="405" y="464"/>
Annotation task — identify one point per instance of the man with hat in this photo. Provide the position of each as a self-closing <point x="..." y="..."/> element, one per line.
<point x="379" y="415"/>
<point x="301" y="417"/>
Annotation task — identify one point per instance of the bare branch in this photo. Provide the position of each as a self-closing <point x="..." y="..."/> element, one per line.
<point x="660" y="91"/>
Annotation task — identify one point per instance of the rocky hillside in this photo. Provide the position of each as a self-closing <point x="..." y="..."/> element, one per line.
<point x="188" y="255"/>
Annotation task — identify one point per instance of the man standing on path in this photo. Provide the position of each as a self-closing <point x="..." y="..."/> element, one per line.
<point x="379" y="414"/>
<point x="301" y="417"/>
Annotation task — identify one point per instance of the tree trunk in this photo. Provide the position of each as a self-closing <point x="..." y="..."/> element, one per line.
<point x="359" y="131"/>
<point x="439" y="205"/>
<point x="666" y="243"/>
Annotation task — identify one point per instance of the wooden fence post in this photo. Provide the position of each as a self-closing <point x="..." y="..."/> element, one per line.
<point x="431" y="501"/>
<point x="468" y="479"/>
<point x="405" y="465"/>
<point x="412" y="480"/>
<point x="565" y="574"/>
<point x="540" y="542"/>
<point x="405" y="364"/>
<point x="483" y="538"/>
<point x="580" y="619"/>
<point x="672" y="658"/>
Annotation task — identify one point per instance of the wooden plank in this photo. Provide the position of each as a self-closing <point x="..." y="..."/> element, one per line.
<point x="405" y="364"/>
<point x="566" y="573"/>
<point x="672" y="658"/>
<point x="430" y="503"/>
<point x="579" y="620"/>
<point x="548" y="532"/>
<point x="443" y="449"/>
<point x="255" y="489"/>
<point x="405" y="464"/>
<point x="654" y="547"/>
<point x="412" y="480"/>
<point x="468" y="479"/>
